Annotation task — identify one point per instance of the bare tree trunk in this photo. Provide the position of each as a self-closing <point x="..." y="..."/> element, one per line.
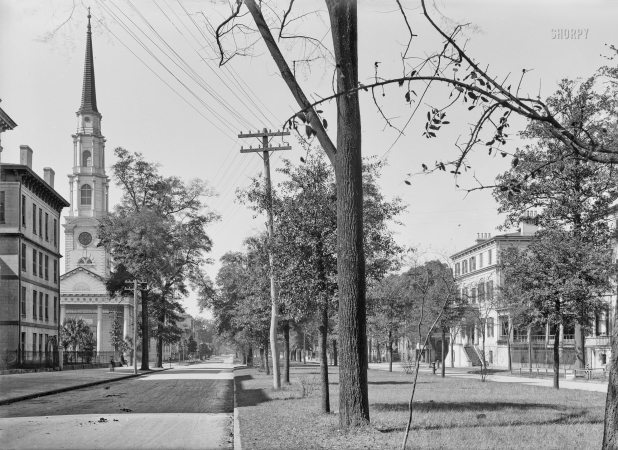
<point x="610" y="429"/>
<point x="262" y="364"/>
<point x="323" y="359"/>
<point x="145" y="336"/>
<point x="557" y="361"/>
<point x="266" y="359"/>
<point x="452" y="350"/>
<point x="353" y="398"/>
<point x="335" y="357"/>
<point x="250" y="356"/>
<point x="390" y="351"/>
<point x="530" y="347"/>
<point x="160" y="325"/>
<point x="286" y="352"/>
<point x="369" y="352"/>
<point x="580" y="347"/>
<point x="443" y="353"/>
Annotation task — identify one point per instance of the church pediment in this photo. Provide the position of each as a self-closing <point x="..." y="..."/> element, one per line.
<point x="82" y="281"/>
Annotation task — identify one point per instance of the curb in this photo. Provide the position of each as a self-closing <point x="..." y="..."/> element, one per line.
<point x="237" y="442"/>
<point x="72" y="388"/>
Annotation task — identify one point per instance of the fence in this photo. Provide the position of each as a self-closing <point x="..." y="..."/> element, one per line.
<point x="541" y="356"/>
<point x="86" y="357"/>
<point x="14" y="359"/>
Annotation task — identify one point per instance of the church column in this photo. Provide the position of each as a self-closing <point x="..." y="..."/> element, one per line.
<point x="71" y="197"/>
<point x="94" y="196"/>
<point x="99" y="326"/>
<point x="125" y="328"/>
<point x="63" y="313"/>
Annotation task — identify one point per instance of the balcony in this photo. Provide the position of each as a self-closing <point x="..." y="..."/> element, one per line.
<point x="598" y="341"/>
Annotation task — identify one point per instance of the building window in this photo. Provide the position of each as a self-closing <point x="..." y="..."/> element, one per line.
<point x="40" y="342"/>
<point x="504" y="326"/>
<point x="46" y="307"/>
<point x="55" y="271"/>
<point x="464" y="267"/>
<point x="55" y="233"/>
<point x="46" y="342"/>
<point x="473" y="295"/>
<point x="34" y="342"/>
<point x="457" y="269"/>
<point x="33" y="261"/>
<point x="491" y="357"/>
<point x="464" y="294"/>
<point x="489" y="257"/>
<point x="86" y="195"/>
<point x="34" y="297"/>
<point x="23" y="257"/>
<point x="40" y="222"/>
<point x="86" y="159"/>
<point x="2" y="207"/>
<point x="472" y="263"/>
<point x="23" y="341"/>
<point x="41" y="264"/>
<point x="481" y="291"/>
<point x="490" y="327"/>
<point x="55" y="309"/>
<point x="40" y="306"/>
<point x="23" y="211"/>
<point x="489" y="290"/>
<point x="47" y="227"/>
<point x="480" y="260"/>
<point x="23" y="302"/>
<point x="34" y="218"/>
<point x="46" y="267"/>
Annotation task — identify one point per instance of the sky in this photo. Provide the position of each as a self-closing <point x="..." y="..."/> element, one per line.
<point x="161" y="92"/>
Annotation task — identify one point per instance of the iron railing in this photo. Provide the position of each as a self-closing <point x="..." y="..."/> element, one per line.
<point x="15" y="359"/>
<point x="87" y="357"/>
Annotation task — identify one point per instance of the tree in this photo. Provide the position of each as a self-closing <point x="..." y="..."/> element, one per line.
<point x="115" y="331"/>
<point x="76" y="333"/>
<point x="157" y="233"/>
<point x="572" y="193"/>
<point x="433" y="288"/>
<point x="387" y="304"/>
<point x="565" y="278"/>
<point x="191" y="345"/>
<point x="306" y="259"/>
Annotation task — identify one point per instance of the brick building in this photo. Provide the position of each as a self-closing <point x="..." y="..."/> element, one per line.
<point x="29" y="257"/>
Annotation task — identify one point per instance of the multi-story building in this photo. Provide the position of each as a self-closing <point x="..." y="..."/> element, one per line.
<point x="29" y="258"/>
<point x="83" y="292"/>
<point x="478" y="278"/>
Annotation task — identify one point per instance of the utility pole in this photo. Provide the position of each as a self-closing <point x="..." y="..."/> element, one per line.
<point x="274" y="318"/>
<point x="135" y="323"/>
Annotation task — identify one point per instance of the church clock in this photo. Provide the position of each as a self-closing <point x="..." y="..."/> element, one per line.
<point x="85" y="238"/>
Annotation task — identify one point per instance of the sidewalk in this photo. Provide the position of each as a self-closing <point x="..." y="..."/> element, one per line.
<point x="463" y="372"/>
<point x="23" y="386"/>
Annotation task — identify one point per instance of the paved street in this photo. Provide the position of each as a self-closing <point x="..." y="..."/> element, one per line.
<point x="184" y="408"/>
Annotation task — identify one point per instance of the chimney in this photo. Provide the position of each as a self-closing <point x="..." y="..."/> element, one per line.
<point x="480" y="237"/>
<point x="49" y="176"/>
<point x="528" y="224"/>
<point x="25" y="155"/>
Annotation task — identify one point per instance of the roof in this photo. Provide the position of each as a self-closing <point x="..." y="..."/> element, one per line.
<point x="6" y="123"/>
<point x="81" y="269"/>
<point x="29" y="175"/>
<point x="515" y="234"/>
<point x="89" y="93"/>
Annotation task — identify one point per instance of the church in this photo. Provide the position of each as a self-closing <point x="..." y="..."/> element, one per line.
<point x="82" y="287"/>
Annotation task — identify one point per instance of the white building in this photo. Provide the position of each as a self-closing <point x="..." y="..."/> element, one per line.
<point x="82" y="287"/>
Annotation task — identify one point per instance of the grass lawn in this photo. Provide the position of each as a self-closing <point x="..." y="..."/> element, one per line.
<point x="450" y="413"/>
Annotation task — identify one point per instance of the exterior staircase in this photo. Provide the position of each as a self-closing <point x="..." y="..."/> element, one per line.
<point x="473" y="356"/>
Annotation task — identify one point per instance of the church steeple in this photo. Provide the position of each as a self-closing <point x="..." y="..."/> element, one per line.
<point x="89" y="93"/>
